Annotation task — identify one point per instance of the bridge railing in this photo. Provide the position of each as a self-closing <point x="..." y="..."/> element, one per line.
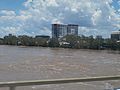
<point x="12" y="85"/>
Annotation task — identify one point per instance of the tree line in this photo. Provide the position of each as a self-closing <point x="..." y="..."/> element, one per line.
<point x="24" y="40"/>
<point x="69" y="41"/>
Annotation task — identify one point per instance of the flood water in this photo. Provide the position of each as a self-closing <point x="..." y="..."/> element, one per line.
<point x="38" y="63"/>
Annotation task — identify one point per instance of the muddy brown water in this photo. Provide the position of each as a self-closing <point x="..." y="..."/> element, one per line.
<point x="19" y="63"/>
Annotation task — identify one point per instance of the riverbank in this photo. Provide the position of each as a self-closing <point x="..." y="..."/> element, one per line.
<point x="69" y="41"/>
<point x="62" y="48"/>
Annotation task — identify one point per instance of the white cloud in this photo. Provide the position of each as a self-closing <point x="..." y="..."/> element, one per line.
<point x="7" y="13"/>
<point x="88" y="31"/>
<point x="95" y="16"/>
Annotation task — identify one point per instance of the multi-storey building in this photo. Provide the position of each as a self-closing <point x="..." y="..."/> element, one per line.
<point x="61" y="30"/>
<point x="98" y="37"/>
<point x="115" y="35"/>
<point x="72" y="29"/>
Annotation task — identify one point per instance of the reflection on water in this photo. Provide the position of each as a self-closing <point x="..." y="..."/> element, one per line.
<point x="33" y="63"/>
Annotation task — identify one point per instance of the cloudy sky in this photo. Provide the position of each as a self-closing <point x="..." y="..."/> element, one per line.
<point x="34" y="17"/>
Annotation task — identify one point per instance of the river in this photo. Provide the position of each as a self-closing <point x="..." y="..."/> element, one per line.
<point x="18" y="63"/>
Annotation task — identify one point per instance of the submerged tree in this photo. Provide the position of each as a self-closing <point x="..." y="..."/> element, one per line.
<point x="25" y="40"/>
<point x="10" y="40"/>
<point x="1" y="41"/>
<point x="53" y="42"/>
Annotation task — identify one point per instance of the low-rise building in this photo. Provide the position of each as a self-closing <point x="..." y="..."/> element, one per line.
<point x="42" y="36"/>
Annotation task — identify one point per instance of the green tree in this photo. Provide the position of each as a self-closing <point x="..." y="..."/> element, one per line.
<point x="110" y="44"/>
<point x="53" y="42"/>
<point x="41" y="42"/>
<point x="26" y="40"/>
<point x="72" y="40"/>
<point x="10" y="40"/>
<point x="1" y="41"/>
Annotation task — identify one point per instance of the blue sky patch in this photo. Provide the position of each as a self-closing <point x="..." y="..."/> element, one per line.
<point x="11" y="4"/>
<point x="116" y="4"/>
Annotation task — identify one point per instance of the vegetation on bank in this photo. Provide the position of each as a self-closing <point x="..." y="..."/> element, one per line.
<point x="69" y="41"/>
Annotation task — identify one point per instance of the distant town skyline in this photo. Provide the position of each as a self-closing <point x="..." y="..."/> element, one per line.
<point x="34" y="17"/>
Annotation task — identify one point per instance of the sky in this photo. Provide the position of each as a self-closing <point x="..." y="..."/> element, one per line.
<point x="11" y="4"/>
<point x="34" y="17"/>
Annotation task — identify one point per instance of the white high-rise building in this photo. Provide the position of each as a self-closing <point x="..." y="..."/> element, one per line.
<point x="61" y="30"/>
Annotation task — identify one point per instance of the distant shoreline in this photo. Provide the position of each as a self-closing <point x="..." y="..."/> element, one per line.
<point x="69" y="41"/>
<point x="115" y="51"/>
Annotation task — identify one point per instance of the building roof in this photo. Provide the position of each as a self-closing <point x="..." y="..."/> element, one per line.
<point x="60" y="24"/>
<point x="115" y="32"/>
<point x="42" y="36"/>
<point x="73" y="25"/>
<point x="65" y="24"/>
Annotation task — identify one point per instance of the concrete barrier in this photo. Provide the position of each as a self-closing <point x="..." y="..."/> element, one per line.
<point x="14" y="84"/>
